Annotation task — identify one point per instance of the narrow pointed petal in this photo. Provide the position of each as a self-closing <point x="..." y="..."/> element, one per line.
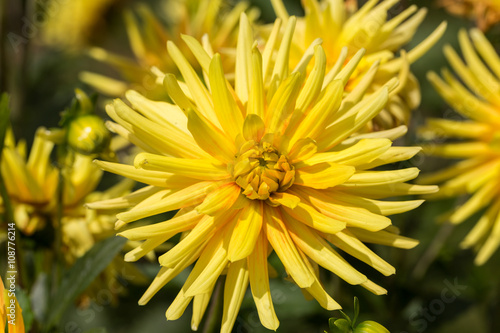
<point x="346" y="241"/>
<point x="204" y="169"/>
<point x="384" y="238"/>
<point x="211" y="139"/>
<point x="285" y="248"/>
<point x="318" y="249"/>
<point x="234" y="291"/>
<point x="311" y="217"/>
<point x="227" y="110"/>
<point x="246" y="231"/>
<point x="259" y="283"/>
<point x="162" y="201"/>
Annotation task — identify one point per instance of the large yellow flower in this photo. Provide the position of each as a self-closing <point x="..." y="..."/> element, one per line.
<point x="268" y="164"/>
<point x="340" y="24"/>
<point x="206" y="19"/>
<point x="485" y="12"/>
<point x="478" y="174"/>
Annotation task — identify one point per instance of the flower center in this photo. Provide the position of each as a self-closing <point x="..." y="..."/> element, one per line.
<point x="260" y="170"/>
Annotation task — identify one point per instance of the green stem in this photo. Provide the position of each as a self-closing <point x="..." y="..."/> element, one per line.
<point x="57" y="268"/>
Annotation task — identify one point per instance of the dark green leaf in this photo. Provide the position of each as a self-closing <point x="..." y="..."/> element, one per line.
<point x="81" y="274"/>
<point x="356" y="311"/>
<point x="24" y="303"/>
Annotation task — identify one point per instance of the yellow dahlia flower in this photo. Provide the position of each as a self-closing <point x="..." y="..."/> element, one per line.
<point x="475" y="140"/>
<point x="31" y="182"/>
<point x="209" y="20"/>
<point x="485" y="12"/>
<point x="340" y="24"/>
<point x="32" y="187"/>
<point x="268" y="164"/>
<point x="11" y="315"/>
<point x="70" y="24"/>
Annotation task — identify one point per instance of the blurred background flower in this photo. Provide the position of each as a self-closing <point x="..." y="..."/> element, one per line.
<point x="379" y="28"/>
<point x="479" y="140"/>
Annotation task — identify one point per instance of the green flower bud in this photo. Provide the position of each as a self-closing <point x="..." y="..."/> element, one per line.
<point x="87" y="135"/>
<point x="370" y="327"/>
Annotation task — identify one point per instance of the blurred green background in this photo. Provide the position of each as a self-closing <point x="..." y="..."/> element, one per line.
<point x="436" y="288"/>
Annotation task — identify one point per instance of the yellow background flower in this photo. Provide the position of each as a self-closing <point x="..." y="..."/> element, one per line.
<point x="340" y="24"/>
<point x="478" y="139"/>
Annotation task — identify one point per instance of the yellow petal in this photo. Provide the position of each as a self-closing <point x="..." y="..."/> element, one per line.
<point x="200" y="94"/>
<point x="352" y="216"/>
<point x="243" y="59"/>
<point x="211" y="139"/>
<point x="372" y="178"/>
<point x="203" y="230"/>
<point x="173" y="142"/>
<point x="285" y="248"/>
<point x="155" y="178"/>
<point x="311" y="217"/>
<point x="208" y="268"/>
<point x="253" y="128"/>
<point x="319" y="117"/>
<point x="323" y="175"/>
<point x="347" y="242"/>
<point x="481" y="198"/>
<point x="227" y="110"/>
<point x="246" y="231"/>
<point x="179" y="223"/>
<point x="385" y="191"/>
<point x="362" y="152"/>
<point x="200" y="304"/>
<point x="204" y="169"/>
<point x="259" y="283"/>
<point x="166" y="274"/>
<point x="234" y="291"/>
<point x="384" y="238"/>
<point x="219" y="199"/>
<point x="318" y="249"/>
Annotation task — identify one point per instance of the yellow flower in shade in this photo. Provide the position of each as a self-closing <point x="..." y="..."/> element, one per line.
<point x="31" y="182"/>
<point x="71" y="24"/>
<point x="32" y="187"/>
<point x="476" y="140"/>
<point x="339" y="24"/>
<point x="268" y="164"/>
<point x="485" y="12"/>
<point x="212" y="21"/>
<point x="11" y="315"/>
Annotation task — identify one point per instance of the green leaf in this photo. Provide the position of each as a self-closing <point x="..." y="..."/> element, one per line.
<point x="340" y="326"/>
<point x="356" y="310"/>
<point x="81" y="274"/>
<point x="346" y="317"/>
<point x="24" y="303"/>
